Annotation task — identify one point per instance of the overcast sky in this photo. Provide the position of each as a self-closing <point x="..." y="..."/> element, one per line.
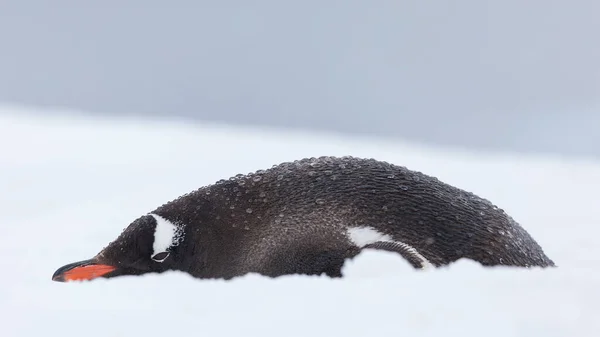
<point x="511" y="75"/>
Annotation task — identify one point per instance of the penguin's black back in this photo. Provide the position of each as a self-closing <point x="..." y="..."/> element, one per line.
<point x="298" y="212"/>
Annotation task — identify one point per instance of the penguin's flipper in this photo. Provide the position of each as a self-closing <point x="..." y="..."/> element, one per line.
<point x="411" y="255"/>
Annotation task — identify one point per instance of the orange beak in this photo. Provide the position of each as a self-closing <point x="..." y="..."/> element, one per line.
<point x="81" y="271"/>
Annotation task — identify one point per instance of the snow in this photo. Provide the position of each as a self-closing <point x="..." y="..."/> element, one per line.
<point x="69" y="185"/>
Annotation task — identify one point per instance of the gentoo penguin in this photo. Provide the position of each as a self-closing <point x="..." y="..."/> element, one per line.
<point x="308" y="217"/>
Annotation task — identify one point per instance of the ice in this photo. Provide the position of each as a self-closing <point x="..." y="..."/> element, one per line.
<point x="69" y="185"/>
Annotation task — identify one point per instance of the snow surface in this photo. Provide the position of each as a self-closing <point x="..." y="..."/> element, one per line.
<point x="69" y="185"/>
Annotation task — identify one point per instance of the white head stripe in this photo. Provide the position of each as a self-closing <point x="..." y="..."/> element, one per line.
<point x="362" y="236"/>
<point x="166" y="235"/>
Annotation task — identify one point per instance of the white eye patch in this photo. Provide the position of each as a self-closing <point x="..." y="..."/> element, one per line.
<point x="166" y="236"/>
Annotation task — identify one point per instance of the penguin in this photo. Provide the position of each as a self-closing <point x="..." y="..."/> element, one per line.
<point x="308" y="217"/>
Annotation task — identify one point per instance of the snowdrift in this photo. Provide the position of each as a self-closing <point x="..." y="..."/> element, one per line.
<point x="69" y="185"/>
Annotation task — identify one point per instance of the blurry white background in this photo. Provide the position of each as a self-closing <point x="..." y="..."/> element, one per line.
<point x="489" y="75"/>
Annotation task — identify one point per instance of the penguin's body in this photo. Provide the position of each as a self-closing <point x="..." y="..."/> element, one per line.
<point x="308" y="217"/>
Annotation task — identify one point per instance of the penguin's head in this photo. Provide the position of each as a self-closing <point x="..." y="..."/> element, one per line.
<point x="150" y="244"/>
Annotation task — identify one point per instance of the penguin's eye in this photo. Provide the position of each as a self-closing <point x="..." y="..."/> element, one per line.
<point x="160" y="257"/>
